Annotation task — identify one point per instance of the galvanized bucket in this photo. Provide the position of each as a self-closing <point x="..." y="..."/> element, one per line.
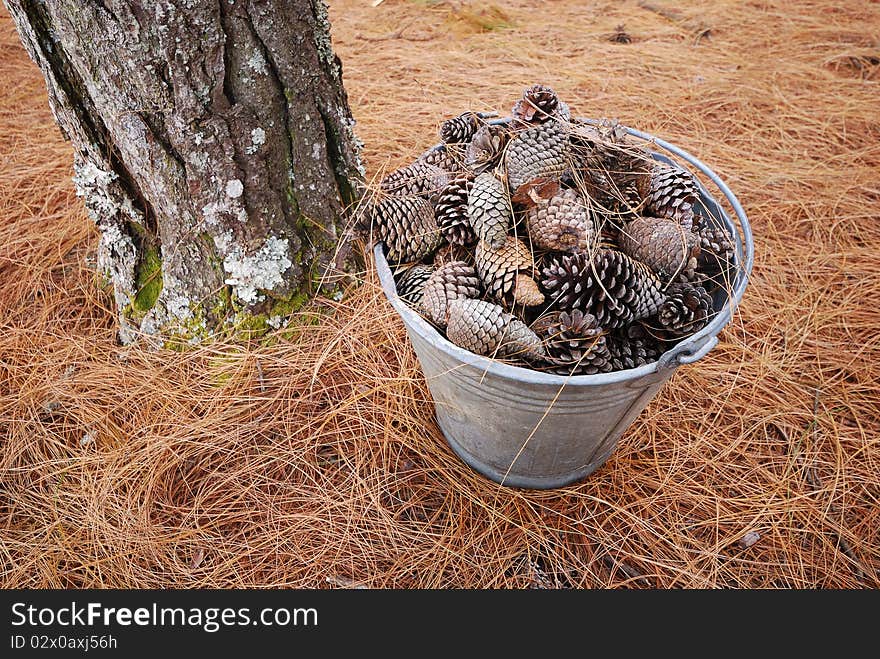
<point x="528" y="429"/>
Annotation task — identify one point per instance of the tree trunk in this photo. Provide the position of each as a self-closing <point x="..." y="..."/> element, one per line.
<point x="214" y="148"/>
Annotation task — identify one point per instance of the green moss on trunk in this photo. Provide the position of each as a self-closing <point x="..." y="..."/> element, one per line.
<point x="148" y="278"/>
<point x="243" y="324"/>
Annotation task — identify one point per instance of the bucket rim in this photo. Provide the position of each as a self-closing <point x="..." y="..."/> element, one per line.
<point x="688" y="350"/>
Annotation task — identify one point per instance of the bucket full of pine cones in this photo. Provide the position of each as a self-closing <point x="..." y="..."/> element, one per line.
<point x="552" y="273"/>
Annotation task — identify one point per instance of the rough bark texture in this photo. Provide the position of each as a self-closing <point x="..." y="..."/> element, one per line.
<point x="214" y="148"/>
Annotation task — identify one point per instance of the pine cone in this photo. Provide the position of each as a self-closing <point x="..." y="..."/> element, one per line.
<point x="485" y="148"/>
<point x="537" y="105"/>
<point x="453" y="252"/>
<point x="664" y="246"/>
<point x="460" y="129"/>
<point x="610" y="167"/>
<point x="574" y="341"/>
<point x="717" y="252"/>
<point x="416" y="179"/>
<point x="489" y="209"/>
<point x="631" y="347"/>
<point x="451" y="211"/>
<point x="560" y="223"/>
<point x="538" y="152"/>
<point x="447" y="157"/>
<point x="407" y="227"/>
<point x="672" y="193"/>
<point x="687" y="310"/>
<point x="450" y="281"/>
<point x="507" y="272"/>
<point x="613" y="287"/>
<point x="411" y="282"/>
<point x="486" y="329"/>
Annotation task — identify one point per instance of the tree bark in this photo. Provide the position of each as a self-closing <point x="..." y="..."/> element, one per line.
<point x="213" y="146"/>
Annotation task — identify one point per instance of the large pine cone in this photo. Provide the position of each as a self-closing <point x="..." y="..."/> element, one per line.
<point x="485" y="148"/>
<point x="451" y="211"/>
<point x="416" y="179"/>
<point x="538" y="152"/>
<point x="410" y="283"/>
<point x="487" y="329"/>
<point x="447" y="157"/>
<point x="450" y="281"/>
<point x="666" y="247"/>
<point x="613" y="287"/>
<point x="460" y="129"/>
<point x="672" y="193"/>
<point x="489" y="209"/>
<point x="687" y="310"/>
<point x="631" y="347"/>
<point x="407" y="227"/>
<point x="560" y="223"/>
<point x="507" y="272"/>
<point x="537" y="105"/>
<point x="574" y="341"/>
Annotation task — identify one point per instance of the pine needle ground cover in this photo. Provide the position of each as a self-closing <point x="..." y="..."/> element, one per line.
<point x="312" y="459"/>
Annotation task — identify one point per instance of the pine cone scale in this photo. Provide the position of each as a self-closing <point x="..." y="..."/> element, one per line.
<point x="536" y="153"/>
<point x="410" y="283"/>
<point x="489" y="209"/>
<point x="451" y="281"/>
<point x="486" y="329"/>
<point x="407" y="227"/>
<point x="611" y="286"/>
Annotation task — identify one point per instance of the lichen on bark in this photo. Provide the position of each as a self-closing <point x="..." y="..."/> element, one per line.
<point x="214" y="148"/>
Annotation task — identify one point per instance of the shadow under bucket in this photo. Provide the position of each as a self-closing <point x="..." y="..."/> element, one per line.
<point x="528" y="429"/>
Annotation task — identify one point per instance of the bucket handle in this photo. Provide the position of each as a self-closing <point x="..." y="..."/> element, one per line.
<point x="687" y="355"/>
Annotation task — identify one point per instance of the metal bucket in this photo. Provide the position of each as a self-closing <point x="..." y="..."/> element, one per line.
<point x="528" y="429"/>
